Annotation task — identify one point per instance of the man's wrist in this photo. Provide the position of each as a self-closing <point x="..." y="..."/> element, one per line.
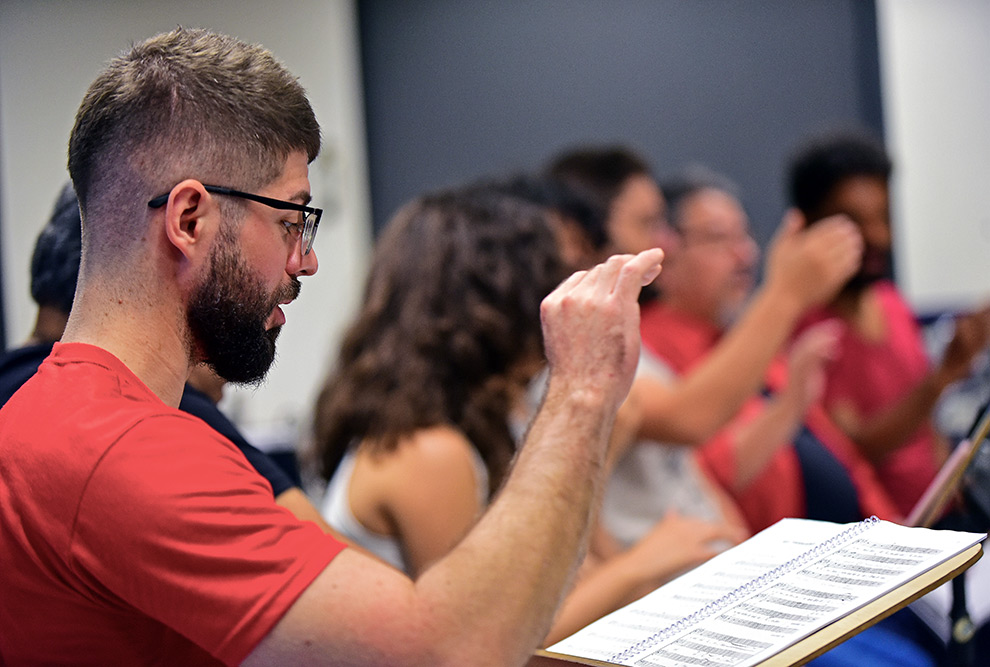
<point x="785" y="302"/>
<point x="576" y="417"/>
<point x="582" y="397"/>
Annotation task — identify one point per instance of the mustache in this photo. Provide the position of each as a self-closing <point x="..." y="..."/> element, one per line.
<point x="289" y="291"/>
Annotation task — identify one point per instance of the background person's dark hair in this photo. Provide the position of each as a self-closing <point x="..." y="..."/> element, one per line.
<point x="55" y="260"/>
<point x="824" y="161"/>
<point x="551" y="193"/>
<point x="681" y="186"/>
<point x="451" y="312"/>
<point x="598" y="174"/>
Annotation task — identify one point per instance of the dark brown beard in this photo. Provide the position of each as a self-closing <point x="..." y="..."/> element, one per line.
<point x="227" y="314"/>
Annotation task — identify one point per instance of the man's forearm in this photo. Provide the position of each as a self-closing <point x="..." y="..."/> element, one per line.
<point x="886" y="431"/>
<point x="756" y="441"/>
<point x="712" y="392"/>
<point x="519" y="561"/>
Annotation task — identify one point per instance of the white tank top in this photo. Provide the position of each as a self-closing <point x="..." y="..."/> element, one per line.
<point x="336" y="510"/>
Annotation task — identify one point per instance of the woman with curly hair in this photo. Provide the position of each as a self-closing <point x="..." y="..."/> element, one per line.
<point x="448" y="336"/>
<point x="414" y="426"/>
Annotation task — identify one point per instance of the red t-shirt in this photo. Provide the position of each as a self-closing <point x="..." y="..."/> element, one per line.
<point x="130" y="532"/>
<point x="778" y="490"/>
<point x="872" y="375"/>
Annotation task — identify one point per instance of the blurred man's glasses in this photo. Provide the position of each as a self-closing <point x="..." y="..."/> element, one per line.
<point x="306" y="229"/>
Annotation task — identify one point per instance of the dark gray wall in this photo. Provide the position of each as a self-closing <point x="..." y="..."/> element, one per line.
<point x="456" y="89"/>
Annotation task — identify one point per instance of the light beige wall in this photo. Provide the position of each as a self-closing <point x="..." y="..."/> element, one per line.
<point x="50" y="50"/>
<point x="935" y="68"/>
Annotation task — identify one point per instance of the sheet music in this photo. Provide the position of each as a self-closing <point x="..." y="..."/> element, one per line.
<point x="775" y="613"/>
<point x="692" y="591"/>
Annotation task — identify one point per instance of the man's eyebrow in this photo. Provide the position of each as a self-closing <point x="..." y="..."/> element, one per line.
<point x="303" y="197"/>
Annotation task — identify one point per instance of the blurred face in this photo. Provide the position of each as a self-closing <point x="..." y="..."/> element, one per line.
<point x="712" y="273"/>
<point x="638" y="218"/>
<point x="866" y="200"/>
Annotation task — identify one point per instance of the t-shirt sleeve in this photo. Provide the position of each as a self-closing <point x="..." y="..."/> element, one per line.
<point x="175" y="523"/>
<point x="200" y="405"/>
<point x="266" y="467"/>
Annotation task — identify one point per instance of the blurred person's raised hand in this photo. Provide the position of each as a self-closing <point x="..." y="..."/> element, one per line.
<point x="677" y="543"/>
<point x="806" y="362"/>
<point x="971" y="336"/>
<point x="810" y="264"/>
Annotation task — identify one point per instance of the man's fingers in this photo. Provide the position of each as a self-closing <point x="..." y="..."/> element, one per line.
<point x="793" y="222"/>
<point x="605" y="273"/>
<point x="572" y="280"/>
<point x="652" y="270"/>
<point x="619" y="272"/>
<point x="843" y="234"/>
<point x="640" y="270"/>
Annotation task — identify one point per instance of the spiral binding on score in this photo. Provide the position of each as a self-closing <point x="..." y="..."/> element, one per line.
<point x="745" y="590"/>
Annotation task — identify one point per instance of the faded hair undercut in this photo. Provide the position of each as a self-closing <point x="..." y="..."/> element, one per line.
<point x="184" y="104"/>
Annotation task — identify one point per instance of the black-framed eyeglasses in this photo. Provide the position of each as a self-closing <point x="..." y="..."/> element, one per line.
<point x="306" y="229"/>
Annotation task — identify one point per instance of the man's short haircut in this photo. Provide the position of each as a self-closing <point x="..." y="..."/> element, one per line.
<point x="55" y="261"/>
<point x="680" y="187"/>
<point x="598" y="174"/>
<point x="825" y="161"/>
<point x="185" y="104"/>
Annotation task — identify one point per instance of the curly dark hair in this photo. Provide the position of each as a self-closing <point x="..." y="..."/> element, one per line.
<point x="451" y="309"/>
<point x="826" y="160"/>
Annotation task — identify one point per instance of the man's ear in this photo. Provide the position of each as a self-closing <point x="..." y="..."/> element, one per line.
<point x="192" y="218"/>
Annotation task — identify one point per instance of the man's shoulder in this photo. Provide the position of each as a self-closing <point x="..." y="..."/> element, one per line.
<point x="81" y="384"/>
<point x="79" y="405"/>
<point x="677" y="338"/>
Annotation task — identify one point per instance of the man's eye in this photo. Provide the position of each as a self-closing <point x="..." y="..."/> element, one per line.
<point x="293" y="228"/>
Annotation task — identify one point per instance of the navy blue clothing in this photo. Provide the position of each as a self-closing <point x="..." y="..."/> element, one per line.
<point x="200" y="405"/>
<point x="18" y="365"/>
<point x="829" y="492"/>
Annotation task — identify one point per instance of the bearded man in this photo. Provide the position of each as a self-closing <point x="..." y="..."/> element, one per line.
<point x="132" y="533"/>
